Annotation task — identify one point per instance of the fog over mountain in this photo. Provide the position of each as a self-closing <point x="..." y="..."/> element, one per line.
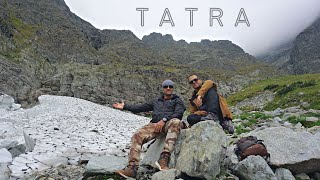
<point x="272" y="23"/>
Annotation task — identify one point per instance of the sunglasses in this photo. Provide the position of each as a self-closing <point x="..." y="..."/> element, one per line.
<point x="165" y="87"/>
<point x="193" y="81"/>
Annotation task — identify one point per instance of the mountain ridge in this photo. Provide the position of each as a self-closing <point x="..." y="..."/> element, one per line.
<point x="47" y="49"/>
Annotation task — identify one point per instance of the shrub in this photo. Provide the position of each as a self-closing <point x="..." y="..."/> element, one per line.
<point x="271" y="86"/>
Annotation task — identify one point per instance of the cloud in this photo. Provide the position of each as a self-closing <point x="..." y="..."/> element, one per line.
<point x="272" y="22"/>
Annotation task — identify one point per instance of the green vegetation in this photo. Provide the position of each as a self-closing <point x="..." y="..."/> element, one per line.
<point x="241" y="129"/>
<point x="249" y="120"/>
<point x="253" y="115"/>
<point x="302" y="119"/>
<point x="290" y="91"/>
<point x="22" y="34"/>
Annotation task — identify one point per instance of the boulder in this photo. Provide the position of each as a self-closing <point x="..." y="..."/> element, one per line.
<point x="170" y="174"/>
<point x="200" y="150"/>
<point x="255" y="167"/>
<point x="231" y="160"/>
<point x="153" y="153"/>
<point x="284" y="174"/>
<point x="5" y="156"/>
<point x="297" y="151"/>
<point x="105" y="164"/>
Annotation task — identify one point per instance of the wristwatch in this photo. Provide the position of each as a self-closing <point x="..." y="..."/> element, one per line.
<point x="164" y="119"/>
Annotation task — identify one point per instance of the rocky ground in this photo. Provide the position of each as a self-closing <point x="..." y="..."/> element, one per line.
<point x="70" y="138"/>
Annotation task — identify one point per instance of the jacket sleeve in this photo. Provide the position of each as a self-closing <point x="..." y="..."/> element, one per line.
<point x="205" y="87"/>
<point x="145" y="107"/>
<point x="178" y="110"/>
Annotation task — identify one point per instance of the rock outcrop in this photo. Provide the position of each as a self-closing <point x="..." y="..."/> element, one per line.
<point x="105" y="165"/>
<point x="255" y="167"/>
<point x="284" y="174"/>
<point x="199" y="151"/>
<point x="299" y="56"/>
<point x="297" y="151"/>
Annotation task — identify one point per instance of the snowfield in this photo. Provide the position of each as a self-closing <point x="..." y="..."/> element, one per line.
<point x="67" y="130"/>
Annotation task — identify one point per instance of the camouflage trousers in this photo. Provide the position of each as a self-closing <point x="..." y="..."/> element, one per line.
<point x="171" y="129"/>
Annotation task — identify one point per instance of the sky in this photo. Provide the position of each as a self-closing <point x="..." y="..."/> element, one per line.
<point x="272" y="22"/>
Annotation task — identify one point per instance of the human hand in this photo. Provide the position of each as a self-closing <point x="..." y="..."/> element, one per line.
<point x="118" y="105"/>
<point x="158" y="126"/>
<point x="201" y="113"/>
<point x="198" y="101"/>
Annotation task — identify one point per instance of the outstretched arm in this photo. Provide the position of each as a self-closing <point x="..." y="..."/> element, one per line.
<point x="145" y="107"/>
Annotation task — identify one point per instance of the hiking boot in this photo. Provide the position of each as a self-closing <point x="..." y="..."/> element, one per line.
<point x="129" y="171"/>
<point x="227" y="125"/>
<point x="163" y="161"/>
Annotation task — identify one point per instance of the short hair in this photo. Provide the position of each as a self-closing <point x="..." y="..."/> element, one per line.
<point x="193" y="74"/>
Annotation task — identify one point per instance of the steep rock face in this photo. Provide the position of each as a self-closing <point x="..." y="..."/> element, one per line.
<point x="218" y="55"/>
<point x="299" y="56"/>
<point x="279" y="55"/>
<point x="305" y="56"/>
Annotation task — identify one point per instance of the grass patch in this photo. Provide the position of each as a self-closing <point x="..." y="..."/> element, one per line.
<point x="241" y="129"/>
<point x="290" y="91"/>
<point x="302" y="120"/>
<point x="254" y="115"/>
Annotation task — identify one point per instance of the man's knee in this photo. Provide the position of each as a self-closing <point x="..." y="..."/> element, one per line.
<point x="175" y="122"/>
<point x="193" y="119"/>
<point x="136" y="137"/>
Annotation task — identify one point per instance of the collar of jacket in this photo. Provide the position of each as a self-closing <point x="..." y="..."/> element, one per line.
<point x="174" y="96"/>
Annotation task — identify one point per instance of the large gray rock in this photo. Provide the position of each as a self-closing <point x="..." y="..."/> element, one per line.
<point x="4" y="171"/>
<point x="153" y="153"/>
<point x="5" y="156"/>
<point x="200" y="150"/>
<point x="105" y="164"/>
<point x="166" y="175"/>
<point x="255" y="167"/>
<point x="297" y="151"/>
<point x="231" y="160"/>
<point x="284" y="174"/>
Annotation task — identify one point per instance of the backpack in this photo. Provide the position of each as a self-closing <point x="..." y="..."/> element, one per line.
<point x="250" y="145"/>
<point x="226" y="113"/>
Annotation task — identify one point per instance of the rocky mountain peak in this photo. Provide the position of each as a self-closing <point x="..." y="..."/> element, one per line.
<point x="158" y="38"/>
